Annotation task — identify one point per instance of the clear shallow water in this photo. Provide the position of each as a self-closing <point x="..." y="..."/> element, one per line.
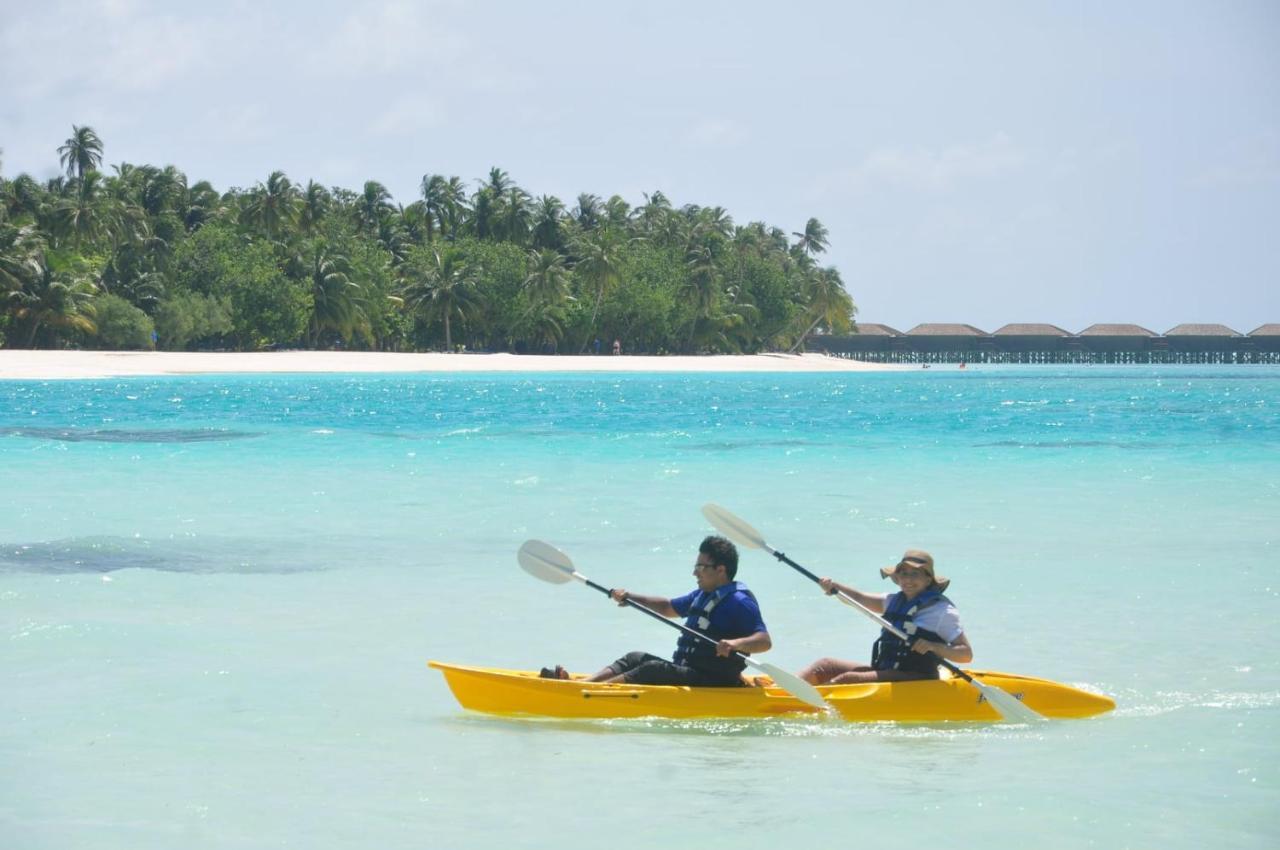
<point x="217" y="596"/>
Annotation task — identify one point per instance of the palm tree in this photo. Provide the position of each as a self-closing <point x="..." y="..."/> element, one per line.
<point x="548" y="280"/>
<point x="653" y="214"/>
<point x="417" y="223"/>
<point x="316" y="201"/>
<point x="21" y="256"/>
<point x="23" y="196"/>
<point x="89" y="213"/>
<point x="483" y="213"/>
<point x="454" y="206"/>
<point x="435" y="198"/>
<point x="617" y="212"/>
<point x="516" y="215"/>
<point x="499" y="182"/>
<point x="548" y="214"/>
<point x="441" y="286"/>
<point x="587" y="213"/>
<point x="598" y="265"/>
<point x="702" y="284"/>
<point x="338" y="300"/>
<point x="55" y="300"/>
<point x="543" y="324"/>
<point x="82" y="152"/>
<point x="717" y="221"/>
<point x="827" y="303"/>
<point x="203" y="204"/>
<point x="272" y="208"/>
<point x="813" y="240"/>
<point x="372" y="205"/>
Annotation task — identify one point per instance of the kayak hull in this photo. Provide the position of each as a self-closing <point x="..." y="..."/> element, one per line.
<point x="521" y="692"/>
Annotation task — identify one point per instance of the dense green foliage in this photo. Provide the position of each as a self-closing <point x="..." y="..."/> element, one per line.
<point x="141" y="259"/>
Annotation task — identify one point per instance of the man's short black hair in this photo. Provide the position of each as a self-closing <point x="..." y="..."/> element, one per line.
<point x="721" y="551"/>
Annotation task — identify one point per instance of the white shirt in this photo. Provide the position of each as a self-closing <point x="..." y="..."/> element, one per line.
<point x="942" y="618"/>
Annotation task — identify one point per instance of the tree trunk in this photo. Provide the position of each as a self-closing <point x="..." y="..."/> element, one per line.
<point x="804" y="335"/>
<point x="594" y="311"/>
<point x="31" y="337"/>
<point x="448" y="337"/>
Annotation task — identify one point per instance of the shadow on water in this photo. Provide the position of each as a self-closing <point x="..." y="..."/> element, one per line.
<point x="107" y="554"/>
<point x="117" y="435"/>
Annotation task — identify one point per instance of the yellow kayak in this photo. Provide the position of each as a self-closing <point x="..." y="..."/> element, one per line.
<point x="496" y="691"/>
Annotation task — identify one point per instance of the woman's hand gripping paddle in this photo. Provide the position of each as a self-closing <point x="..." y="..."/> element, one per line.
<point x="544" y="561"/>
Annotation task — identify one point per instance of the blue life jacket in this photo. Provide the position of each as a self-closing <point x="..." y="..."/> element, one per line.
<point x="700" y="655"/>
<point x="891" y="652"/>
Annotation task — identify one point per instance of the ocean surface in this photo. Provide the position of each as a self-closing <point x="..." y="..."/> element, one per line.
<point x="218" y="595"/>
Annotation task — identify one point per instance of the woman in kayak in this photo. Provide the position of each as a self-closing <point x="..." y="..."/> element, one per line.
<point x="720" y="608"/>
<point x="919" y="609"/>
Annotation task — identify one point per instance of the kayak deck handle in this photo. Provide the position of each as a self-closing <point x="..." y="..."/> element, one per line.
<point x="611" y="694"/>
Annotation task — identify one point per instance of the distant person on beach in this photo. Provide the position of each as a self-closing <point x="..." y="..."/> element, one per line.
<point x="929" y="619"/>
<point x="720" y="608"/>
<point x="597" y="345"/>
<point x="617" y="346"/>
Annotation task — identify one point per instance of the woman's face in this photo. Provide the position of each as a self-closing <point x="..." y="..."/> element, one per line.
<point x="912" y="580"/>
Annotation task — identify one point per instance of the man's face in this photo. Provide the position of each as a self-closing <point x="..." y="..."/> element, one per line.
<point x="709" y="574"/>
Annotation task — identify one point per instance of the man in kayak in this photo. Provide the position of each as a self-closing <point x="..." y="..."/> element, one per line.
<point x="720" y="608"/>
<point x="919" y="609"/>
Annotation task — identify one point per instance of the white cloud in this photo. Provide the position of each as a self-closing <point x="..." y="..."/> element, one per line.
<point x="385" y="38"/>
<point x="928" y="169"/>
<point x="1254" y="162"/>
<point x="406" y="115"/>
<point x="715" y="132"/>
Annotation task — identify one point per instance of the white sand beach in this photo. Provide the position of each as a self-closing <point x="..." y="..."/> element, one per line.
<point x="41" y="365"/>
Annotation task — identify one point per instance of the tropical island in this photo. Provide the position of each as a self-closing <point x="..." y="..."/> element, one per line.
<point x="142" y="259"/>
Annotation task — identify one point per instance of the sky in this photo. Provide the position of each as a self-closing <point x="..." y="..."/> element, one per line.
<point x="976" y="162"/>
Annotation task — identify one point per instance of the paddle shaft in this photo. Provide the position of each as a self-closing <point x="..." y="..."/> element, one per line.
<point x="655" y="615"/>
<point x="885" y="624"/>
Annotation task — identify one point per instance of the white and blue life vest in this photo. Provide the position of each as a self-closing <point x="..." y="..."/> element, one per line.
<point x="891" y="652"/>
<point x="691" y="652"/>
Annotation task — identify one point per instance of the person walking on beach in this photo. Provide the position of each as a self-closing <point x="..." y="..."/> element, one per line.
<point x="919" y="609"/>
<point x="617" y="346"/>
<point x="720" y="607"/>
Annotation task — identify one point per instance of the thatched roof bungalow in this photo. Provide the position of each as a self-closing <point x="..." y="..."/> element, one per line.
<point x="943" y="337"/>
<point x="866" y="338"/>
<point x="1127" y="338"/>
<point x="1190" y="337"/>
<point x="1031" y="337"/>
<point x="1266" y="338"/>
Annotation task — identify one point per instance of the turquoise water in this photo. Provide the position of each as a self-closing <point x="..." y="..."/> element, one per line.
<point x="218" y="594"/>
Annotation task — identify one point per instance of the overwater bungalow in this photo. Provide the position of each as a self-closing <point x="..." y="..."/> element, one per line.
<point x="1044" y="343"/>
<point x="1117" y="343"/>
<point x="1033" y="343"/>
<point x="1200" y="339"/>
<point x="1265" y="341"/>
<point x="948" y="343"/>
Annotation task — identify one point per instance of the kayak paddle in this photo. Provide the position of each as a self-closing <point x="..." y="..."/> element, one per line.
<point x="544" y="561"/>
<point x="1008" y="706"/>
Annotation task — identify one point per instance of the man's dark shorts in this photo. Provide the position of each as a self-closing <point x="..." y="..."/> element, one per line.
<point x="641" y="668"/>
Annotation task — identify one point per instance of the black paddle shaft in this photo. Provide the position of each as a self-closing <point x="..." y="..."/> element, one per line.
<point x="655" y="615"/>
<point x="912" y="639"/>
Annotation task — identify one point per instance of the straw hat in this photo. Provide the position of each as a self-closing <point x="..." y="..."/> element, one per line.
<point x="920" y="560"/>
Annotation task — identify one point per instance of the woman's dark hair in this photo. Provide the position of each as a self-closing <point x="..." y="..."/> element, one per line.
<point x="723" y="552"/>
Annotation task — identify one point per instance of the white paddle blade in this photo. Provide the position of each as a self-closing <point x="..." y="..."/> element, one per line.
<point x="1009" y="706"/>
<point x="544" y="561"/>
<point x="791" y="683"/>
<point x="733" y="527"/>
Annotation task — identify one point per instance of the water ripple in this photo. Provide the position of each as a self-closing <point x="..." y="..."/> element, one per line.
<point x="119" y="435"/>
